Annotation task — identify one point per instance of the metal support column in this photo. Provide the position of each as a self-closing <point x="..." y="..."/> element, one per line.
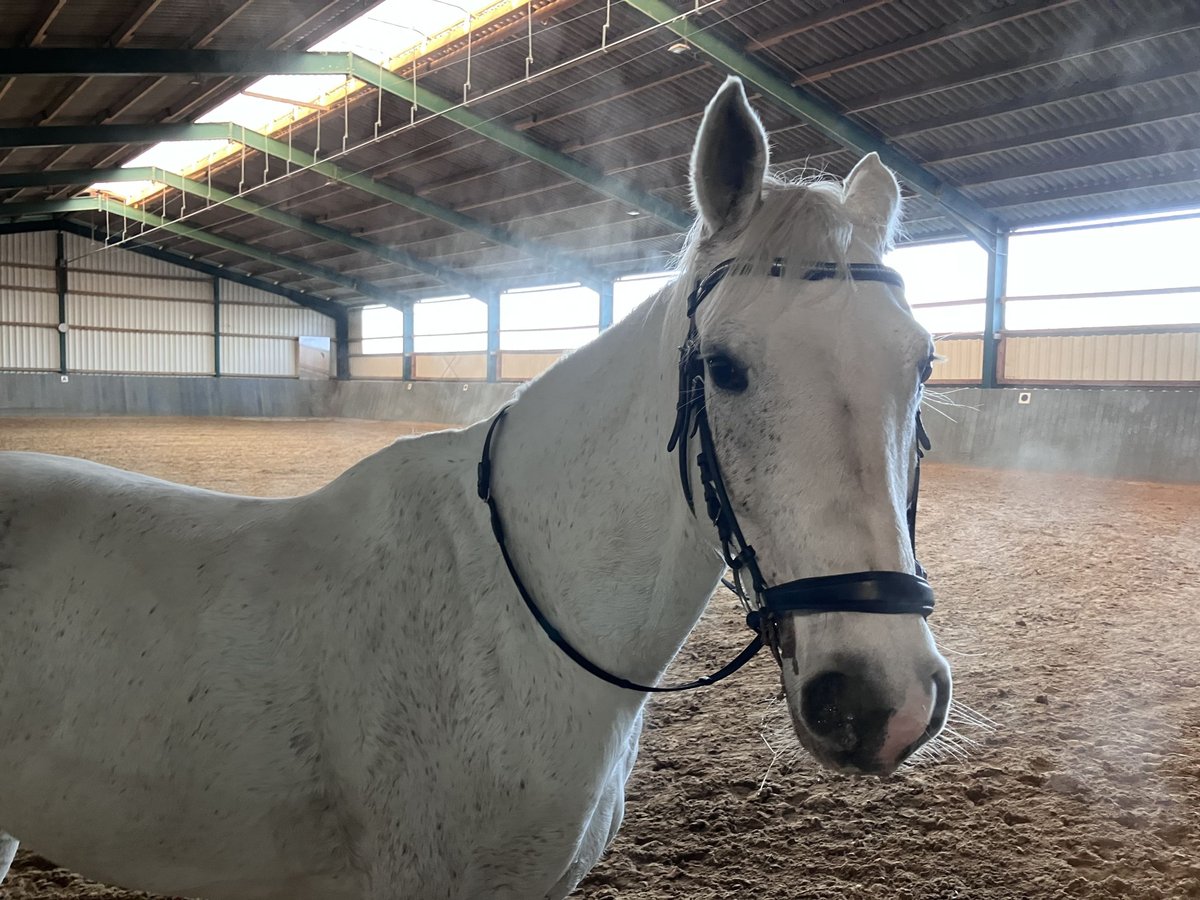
<point x="493" y="335"/>
<point x="216" y="327"/>
<point x="993" y="326"/>
<point x="606" y="305"/>
<point x="60" y="285"/>
<point x="341" y="349"/>
<point x="409" y="343"/>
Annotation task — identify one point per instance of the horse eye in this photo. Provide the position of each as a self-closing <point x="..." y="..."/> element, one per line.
<point x="726" y="374"/>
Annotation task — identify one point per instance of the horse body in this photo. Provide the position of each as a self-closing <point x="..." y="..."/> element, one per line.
<point x="343" y="695"/>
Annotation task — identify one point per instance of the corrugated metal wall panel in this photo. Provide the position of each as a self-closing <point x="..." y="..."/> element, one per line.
<point x="963" y="360"/>
<point x="15" y="277"/>
<point x="258" y="356"/>
<point x="135" y="313"/>
<point x="1084" y="358"/>
<point x="133" y="353"/>
<point x="25" y="348"/>
<point x="36" y="248"/>
<point x="28" y="298"/>
<point x="276" y="321"/>
<point x="83" y="253"/>
<point x="110" y="284"/>
<point x="32" y="307"/>
<point x="377" y="366"/>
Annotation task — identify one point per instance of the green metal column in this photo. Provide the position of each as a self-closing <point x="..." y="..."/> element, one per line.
<point x="606" y="305"/>
<point x="993" y="326"/>
<point x="410" y="343"/>
<point x="216" y="327"/>
<point x="60" y="285"/>
<point x="341" y="337"/>
<point x="493" y="335"/>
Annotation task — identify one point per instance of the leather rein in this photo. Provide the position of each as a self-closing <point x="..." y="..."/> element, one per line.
<point x="881" y="592"/>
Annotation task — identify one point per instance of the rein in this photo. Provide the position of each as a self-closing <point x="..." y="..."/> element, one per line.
<point x="878" y="592"/>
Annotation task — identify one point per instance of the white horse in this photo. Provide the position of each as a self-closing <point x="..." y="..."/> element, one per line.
<point x="343" y="695"/>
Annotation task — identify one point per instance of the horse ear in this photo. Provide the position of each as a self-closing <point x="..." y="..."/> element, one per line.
<point x="872" y="197"/>
<point x="729" y="160"/>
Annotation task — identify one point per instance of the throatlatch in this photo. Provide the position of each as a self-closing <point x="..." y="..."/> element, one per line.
<point x="881" y="592"/>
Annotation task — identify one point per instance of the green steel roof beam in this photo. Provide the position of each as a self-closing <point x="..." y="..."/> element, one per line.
<point x="71" y="135"/>
<point x="220" y="62"/>
<point x="976" y="221"/>
<point x="377" y="76"/>
<point x="67" y="135"/>
<point x="103" y="204"/>
<point x="135" y="61"/>
<point x="449" y="277"/>
<point x="564" y="263"/>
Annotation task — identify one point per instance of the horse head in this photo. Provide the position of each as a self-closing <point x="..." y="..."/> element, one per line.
<point x="811" y="370"/>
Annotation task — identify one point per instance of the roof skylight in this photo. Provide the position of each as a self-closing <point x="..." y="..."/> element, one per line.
<point x="390" y="34"/>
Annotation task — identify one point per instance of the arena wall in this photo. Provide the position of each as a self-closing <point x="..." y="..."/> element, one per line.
<point x="131" y="395"/>
<point x="1136" y="433"/>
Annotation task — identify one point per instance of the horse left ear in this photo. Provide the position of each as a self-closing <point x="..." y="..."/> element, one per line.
<point x="872" y="197"/>
<point x="729" y="160"/>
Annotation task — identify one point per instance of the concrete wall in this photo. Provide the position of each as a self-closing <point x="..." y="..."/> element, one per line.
<point x="418" y="401"/>
<point x="131" y="395"/>
<point x="1138" y="434"/>
<point x="1135" y="434"/>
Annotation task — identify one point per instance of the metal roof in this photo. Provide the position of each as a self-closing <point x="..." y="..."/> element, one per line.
<point x="1029" y="111"/>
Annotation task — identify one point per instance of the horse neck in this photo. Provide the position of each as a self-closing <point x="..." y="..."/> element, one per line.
<point x="591" y="499"/>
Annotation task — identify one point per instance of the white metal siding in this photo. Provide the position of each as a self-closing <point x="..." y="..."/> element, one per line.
<point x="27" y="277"/>
<point x="28" y="307"/>
<point x="28" y="297"/>
<point x="130" y="313"/>
<point x="1156" y="357"/>
<point x="138" y="314"/>
<point x="259" y="331"/>
<point x="37" y="248"/>
<point x="106" y="284"/>
<point x="26" y="348"/>
<point x="83" y="253"/>
<point x="258" y="356"/>
<point x="236" y="292"/>
<point x="275" y="321"/>
<point x="127" y="352"/>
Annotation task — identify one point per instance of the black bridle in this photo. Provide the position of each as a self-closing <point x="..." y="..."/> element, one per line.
<point x="883" y="592"/>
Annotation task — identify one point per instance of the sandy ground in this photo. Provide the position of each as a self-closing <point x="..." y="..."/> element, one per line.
<point x="1069" y="607"/>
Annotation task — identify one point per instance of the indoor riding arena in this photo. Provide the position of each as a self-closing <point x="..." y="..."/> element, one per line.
<point x="246" y="244"/>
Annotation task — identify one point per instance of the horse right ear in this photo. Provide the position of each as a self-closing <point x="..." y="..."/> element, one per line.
<point x="729" y="160"/>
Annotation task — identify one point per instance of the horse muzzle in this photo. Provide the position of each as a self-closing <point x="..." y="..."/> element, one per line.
<point x="853" y="721"/>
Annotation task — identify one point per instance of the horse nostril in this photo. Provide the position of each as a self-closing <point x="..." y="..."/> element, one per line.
<point x="941" y="703"/>
<point x="824" y="708"/>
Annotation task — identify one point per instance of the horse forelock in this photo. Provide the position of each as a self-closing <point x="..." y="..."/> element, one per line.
<point x="801" y="220"/>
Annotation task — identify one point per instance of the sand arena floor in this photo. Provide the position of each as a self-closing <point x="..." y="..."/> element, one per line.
<point x="1069" y="607"/>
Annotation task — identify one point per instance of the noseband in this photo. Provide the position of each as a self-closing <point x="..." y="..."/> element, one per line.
<point x="880" y="592"/>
